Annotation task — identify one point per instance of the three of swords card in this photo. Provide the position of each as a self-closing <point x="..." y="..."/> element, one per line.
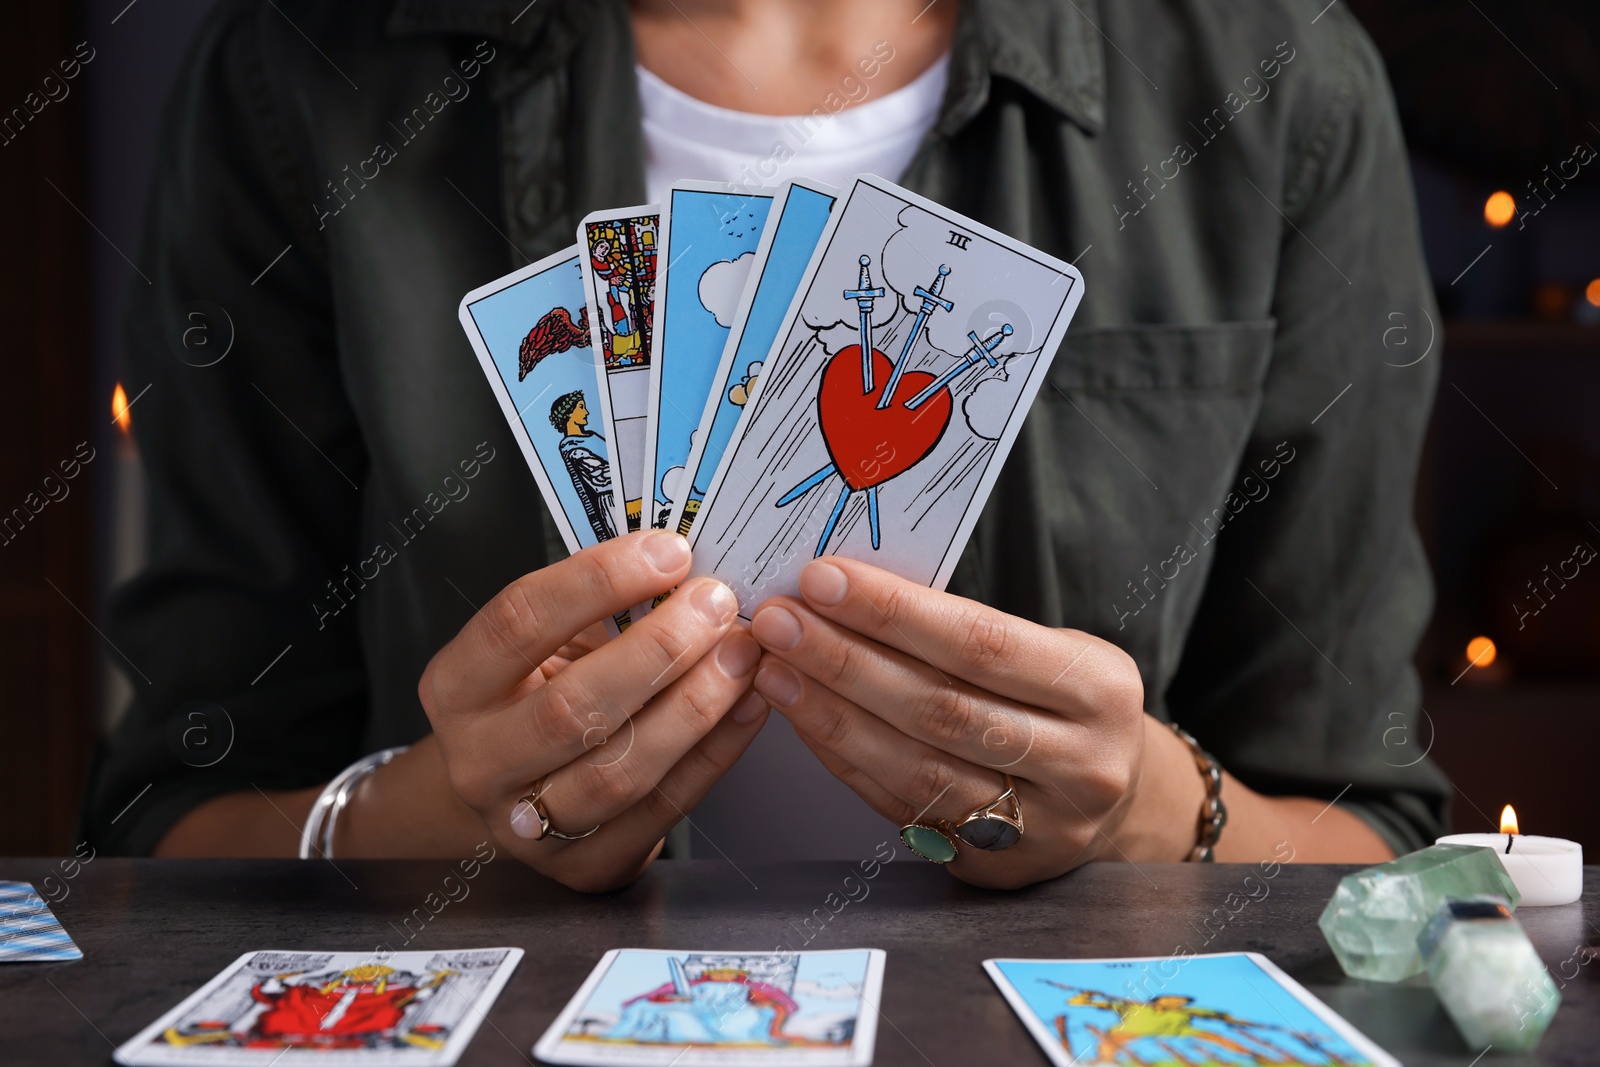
<point x="902" y="373"/>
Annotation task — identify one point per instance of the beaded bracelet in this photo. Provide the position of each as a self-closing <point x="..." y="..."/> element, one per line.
<point x="1213" y="812"/>
<point x="334" y="796"/>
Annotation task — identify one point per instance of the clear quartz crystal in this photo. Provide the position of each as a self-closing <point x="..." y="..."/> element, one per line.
<point x="1375" y="915"/>
<point x="1487" y="975"/>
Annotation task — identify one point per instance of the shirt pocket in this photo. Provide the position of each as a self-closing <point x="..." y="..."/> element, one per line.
<point x="1153" y="420"/>
<point x="1230" y="357"/>
<point x="1137" y="435"/>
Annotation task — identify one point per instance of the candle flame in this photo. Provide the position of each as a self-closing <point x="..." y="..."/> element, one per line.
<point x="119" y="410"/>
<point x="1508" y="820"/>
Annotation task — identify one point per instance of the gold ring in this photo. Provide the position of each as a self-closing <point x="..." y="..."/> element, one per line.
<point x="991" y="830"/>
<point x="535" y="801"/>
<point x="930" y="840"/>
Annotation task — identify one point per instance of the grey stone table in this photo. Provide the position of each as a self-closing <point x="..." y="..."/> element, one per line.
<point x="152" y="931"/>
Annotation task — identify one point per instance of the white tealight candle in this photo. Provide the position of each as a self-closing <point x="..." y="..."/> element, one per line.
<point x="1545" y="870"/>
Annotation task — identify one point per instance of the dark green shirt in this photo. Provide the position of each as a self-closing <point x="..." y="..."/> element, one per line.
<point x="1217" y="475"/>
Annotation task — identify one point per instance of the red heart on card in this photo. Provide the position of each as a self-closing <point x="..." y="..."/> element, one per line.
<point x="870" y="445"/>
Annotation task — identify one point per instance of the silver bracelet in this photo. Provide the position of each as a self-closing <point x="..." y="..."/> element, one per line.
<point x="334" y="796"/>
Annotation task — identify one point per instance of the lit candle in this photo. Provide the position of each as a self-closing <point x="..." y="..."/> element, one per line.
<point x="1546" y="870"/>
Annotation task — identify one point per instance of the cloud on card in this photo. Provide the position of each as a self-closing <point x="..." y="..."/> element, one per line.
<point x="672" y="478"/>
<point x="721" y="285"/>
<point x="839" y="336"/>
<point x="989" y="284"/>
<point x="670" y="481"/>
<point x="837" y="275"/>
<point x="989" y="403"/>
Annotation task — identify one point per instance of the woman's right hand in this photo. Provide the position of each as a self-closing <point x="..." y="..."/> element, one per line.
<point x="627" y="734"/>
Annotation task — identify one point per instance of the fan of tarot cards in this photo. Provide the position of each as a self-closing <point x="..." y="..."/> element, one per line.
<point x="778" y="374"/>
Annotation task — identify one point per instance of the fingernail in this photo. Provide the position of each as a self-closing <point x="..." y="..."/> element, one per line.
<point x="667" y="551"/>
<point x="737" y="655"/>
<point x="823" y="583"/>
<point x="750" y="708"/>
<point x="714" y="601"/>
<point x="778" y="684"/>
<point x="776" y="627"/>
<point x="525" y="821"/>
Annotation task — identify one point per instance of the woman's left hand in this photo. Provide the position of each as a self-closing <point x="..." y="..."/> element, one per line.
<point x="923" y="701"/>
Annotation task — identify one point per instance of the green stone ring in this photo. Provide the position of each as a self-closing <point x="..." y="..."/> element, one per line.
<point x="929" y="842"/>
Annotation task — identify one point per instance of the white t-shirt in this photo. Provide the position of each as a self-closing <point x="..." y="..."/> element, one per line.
<point x="778" y="802"/>
<point x="689" y="138"/>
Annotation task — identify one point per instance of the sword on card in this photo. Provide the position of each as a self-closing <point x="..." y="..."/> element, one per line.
<point x="680" y="980"/>
<point x="864" y="294"/>
<point x="930" y="300"/>
<point x="980" y="352"/>
<point x="817" y="479"/>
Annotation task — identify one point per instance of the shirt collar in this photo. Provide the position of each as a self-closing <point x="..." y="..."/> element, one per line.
<point x="1055" y="52"/>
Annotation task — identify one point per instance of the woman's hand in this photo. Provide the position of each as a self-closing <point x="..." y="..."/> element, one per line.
<point x="921" y="701"/>
<point x="625" y="734"/>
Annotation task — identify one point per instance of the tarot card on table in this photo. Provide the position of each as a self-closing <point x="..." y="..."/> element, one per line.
<point x="29" y="930"/>
<point x="709" y="234"/>
<point x="795" y="221"/>
<point x="884" y="458"/>
<point x="795" y="1009"/>
<point x="401" y="1009"/>
<point x="619" y="271"/>
<point x="1232" y="1009"/>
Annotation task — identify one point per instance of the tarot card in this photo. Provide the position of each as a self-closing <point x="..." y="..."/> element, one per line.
<point x="847" y="449"/>
<point x="619" y="249"/>
<point x="795" y="221"/>
<point x="399" y="1009"/>
<point x="29" y="930"/>
<point x="709" y="233"/>
<point x="1204" y="1011"/>
<point x="530" y="330"/>
<point x="795" y="1009"/>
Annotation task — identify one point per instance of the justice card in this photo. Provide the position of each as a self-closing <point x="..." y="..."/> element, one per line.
<point x="1223" y="1010"/>
<point x="619" y="249"/>
<point x="788" y="1009"/>
<point x="795" y="222"/>
<point x="400" y="1009"/>
<point x="709" y="233"/>
<point x="902" y="373"/>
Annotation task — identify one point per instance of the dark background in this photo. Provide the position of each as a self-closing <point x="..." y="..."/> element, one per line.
<point x="1494" y="96"/>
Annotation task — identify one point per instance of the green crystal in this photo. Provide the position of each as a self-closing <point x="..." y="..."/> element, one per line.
<point x="1487" y="975"/>
<point x="928" y="843"/>
<point x="1375" y="915"/>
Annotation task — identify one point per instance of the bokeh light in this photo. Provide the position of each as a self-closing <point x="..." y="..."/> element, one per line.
<point x="1481" y="651"/>
<point x="1499" y="209"/>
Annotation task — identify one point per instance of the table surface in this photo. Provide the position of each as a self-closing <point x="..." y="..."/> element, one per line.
<point x="153" y="931"/>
